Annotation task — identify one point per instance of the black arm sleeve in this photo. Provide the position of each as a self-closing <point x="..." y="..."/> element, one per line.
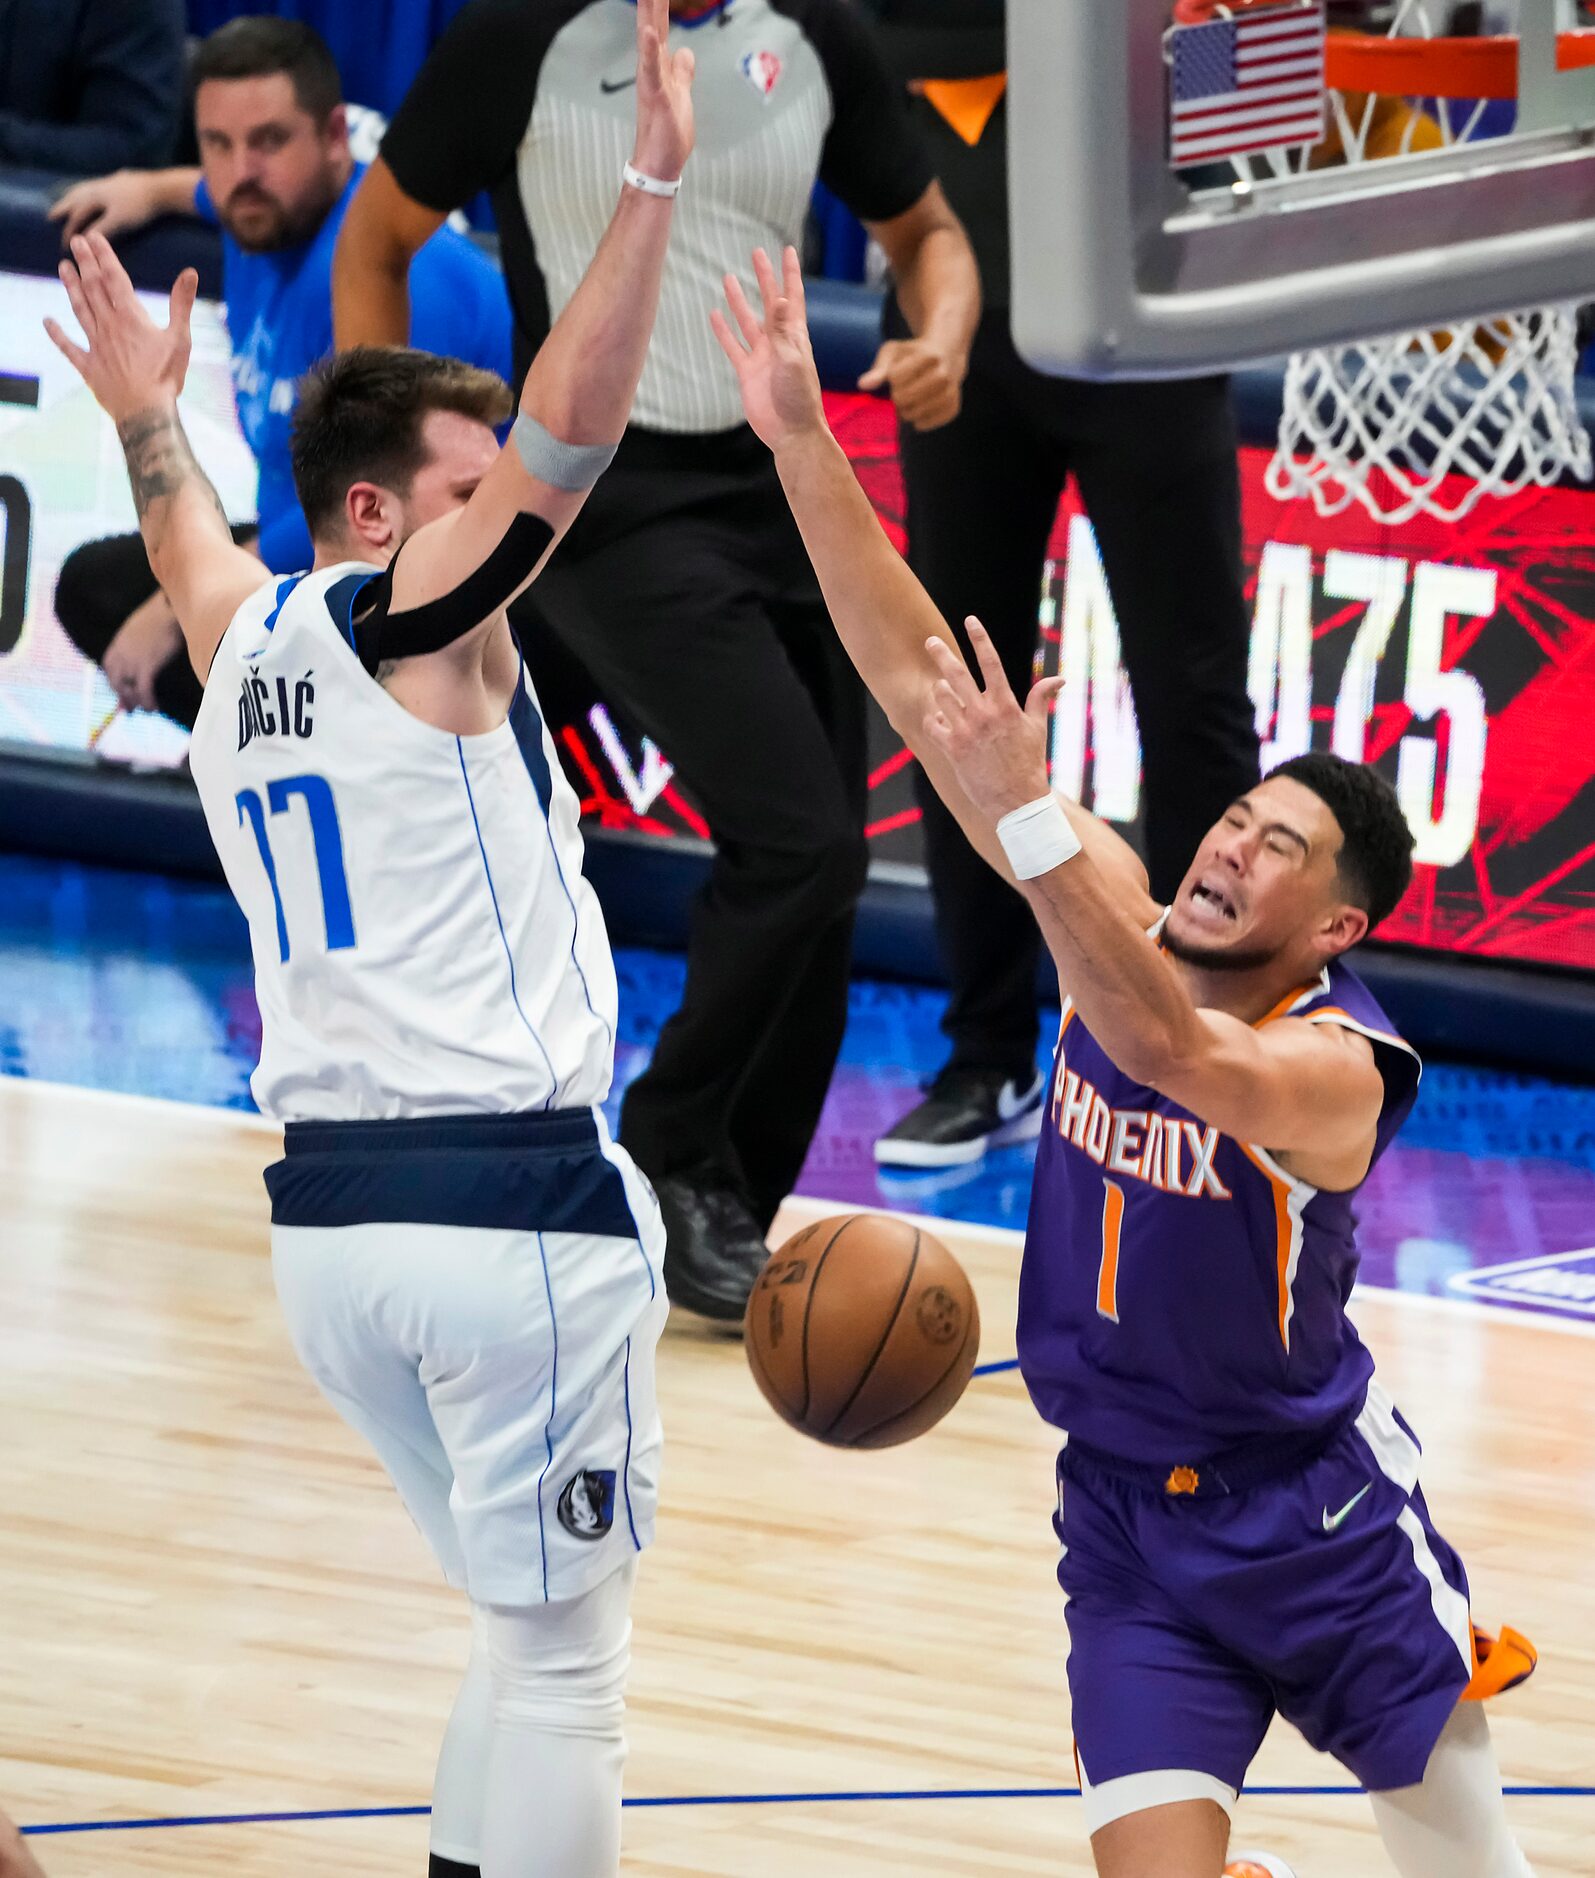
<point x="873" y="157"/>
<point x="462" y="120"/>
<point x="380" y="635"/>
<point x="127" y="85"/>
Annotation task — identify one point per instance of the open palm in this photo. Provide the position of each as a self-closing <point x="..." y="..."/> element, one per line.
<point x="772" y="357"/>
<point x="130" y="363"/>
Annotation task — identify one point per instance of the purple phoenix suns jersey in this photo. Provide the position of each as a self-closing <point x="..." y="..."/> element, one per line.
<point x="1181" y="1293"/>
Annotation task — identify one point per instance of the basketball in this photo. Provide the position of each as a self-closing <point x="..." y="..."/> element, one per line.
<point x="862" y="1331"/>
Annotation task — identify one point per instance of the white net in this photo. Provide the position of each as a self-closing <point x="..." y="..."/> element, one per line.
<point x="1425" y="422"/>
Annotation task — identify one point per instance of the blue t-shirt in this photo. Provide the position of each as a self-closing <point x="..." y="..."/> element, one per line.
<point x="279" y="318"/>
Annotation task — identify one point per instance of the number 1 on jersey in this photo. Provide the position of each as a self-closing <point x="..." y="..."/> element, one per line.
<point x="327" y="839"/>
<point x="1108" y="1275"/>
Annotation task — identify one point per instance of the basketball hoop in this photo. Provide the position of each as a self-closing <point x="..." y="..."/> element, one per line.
<point x="1385" y="422"/>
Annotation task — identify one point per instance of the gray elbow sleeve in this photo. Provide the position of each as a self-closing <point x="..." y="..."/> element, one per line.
<point x="573" y="467"/>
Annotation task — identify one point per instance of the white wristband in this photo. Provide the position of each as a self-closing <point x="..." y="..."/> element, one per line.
<point x="649" y="185"/>
<point x="1037" y="838"/>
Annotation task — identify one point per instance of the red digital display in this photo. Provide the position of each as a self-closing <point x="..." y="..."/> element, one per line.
<point x="1459" y="657"/>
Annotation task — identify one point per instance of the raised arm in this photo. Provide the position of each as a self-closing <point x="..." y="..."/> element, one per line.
<point x="382" y="232"/>
<point x="578" y="394"/>
<point x="136" y="370"/>
<point x="884" y="617"/>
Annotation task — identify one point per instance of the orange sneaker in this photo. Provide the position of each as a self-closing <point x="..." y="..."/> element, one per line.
<point x="1503" y="1662"/>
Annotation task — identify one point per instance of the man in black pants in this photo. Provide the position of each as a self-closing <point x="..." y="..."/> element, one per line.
<point x="685" y="587"/>
<point x="1156" y="469"/>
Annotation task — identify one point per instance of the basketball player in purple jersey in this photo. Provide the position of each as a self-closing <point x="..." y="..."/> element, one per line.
<point x="1242" y="1526"/>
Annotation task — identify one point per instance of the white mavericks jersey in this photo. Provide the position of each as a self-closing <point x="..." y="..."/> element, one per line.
<point x="424" y="941"/>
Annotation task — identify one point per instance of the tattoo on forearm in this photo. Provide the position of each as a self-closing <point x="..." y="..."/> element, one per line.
<point x="160" y="465"/>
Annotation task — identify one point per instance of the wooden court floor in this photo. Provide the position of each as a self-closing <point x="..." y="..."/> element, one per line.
<point x="213" y="1604"/>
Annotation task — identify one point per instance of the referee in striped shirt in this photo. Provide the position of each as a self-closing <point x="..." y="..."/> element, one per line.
<point x="684" y="587"/>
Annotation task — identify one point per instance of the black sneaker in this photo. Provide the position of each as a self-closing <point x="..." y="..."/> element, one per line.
<point x="966" y="1112"/>
<point x="714" y="1250"/>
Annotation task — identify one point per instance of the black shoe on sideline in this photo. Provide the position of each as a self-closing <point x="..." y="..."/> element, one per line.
<point x="714" y="1250"/>
<point x="966" y="1112"/>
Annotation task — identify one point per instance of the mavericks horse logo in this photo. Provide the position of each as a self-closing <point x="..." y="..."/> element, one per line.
<point x="587" y="1505"/>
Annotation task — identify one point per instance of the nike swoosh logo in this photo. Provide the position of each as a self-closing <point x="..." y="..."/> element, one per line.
<point x="619" y="84"/>
<point x="1334" y="1521"/>
<point x="1013" y="1101"/>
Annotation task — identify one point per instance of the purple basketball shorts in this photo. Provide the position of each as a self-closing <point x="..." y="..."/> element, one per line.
<point x="1326" y="1595"/>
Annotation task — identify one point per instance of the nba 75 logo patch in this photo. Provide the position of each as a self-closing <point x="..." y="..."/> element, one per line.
<point x="587" y="1506"/>
<point x="762" y="70"/>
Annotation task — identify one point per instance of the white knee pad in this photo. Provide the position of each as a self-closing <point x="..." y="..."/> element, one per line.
<point x="561" y="1668"/>
<point x="1455" y="1822"/>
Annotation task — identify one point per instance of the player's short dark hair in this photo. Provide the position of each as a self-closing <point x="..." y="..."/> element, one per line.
<point x="1376" y="844"/>
<point x="359" y="419"/>
<point x="257" y="46"/>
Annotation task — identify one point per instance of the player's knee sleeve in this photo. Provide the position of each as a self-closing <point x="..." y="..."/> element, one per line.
<point x="561" y="1668"/>
<point x="1455" y="1821"/>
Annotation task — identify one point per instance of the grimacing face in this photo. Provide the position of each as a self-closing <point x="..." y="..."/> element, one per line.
<point x="1265" y="885"/>
<point x="273" y="172"/>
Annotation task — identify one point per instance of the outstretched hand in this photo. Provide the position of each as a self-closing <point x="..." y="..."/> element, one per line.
<point x="772" y="358"/>
<point x="996" y="746"/>
<point x="665" y="128"/>
<point x="130" y="364"/>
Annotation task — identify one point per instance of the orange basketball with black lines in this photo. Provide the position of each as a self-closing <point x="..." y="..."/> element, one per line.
<point x="862" y="1331"/>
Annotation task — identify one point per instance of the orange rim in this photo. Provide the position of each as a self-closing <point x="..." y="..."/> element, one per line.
<point x="1441" y="68"/>
<point x="1483" y="68"/>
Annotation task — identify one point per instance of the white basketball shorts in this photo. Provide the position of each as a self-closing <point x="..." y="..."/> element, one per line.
<point x="480" y="1297"/>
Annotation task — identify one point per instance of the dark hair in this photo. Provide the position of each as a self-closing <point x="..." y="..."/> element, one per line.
<point x="359" y="419"/>
<point x="1376" y="844"/>
<point x="257" y="46"/>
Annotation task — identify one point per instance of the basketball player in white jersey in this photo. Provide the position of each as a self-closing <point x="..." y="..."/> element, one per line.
<point x="469" y="1267"/>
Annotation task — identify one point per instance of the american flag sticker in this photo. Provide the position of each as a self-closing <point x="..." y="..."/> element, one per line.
<point x="1248" y="84"/>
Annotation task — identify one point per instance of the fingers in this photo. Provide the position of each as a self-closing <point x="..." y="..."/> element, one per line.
<point x="730" y="345"/>
<point x="880" y="368"/>
<point x="769" y="288"/>
<point x="792" y="282"/>
<point x="185" y="290"/>
<point x="994" y="678"/>
<point x="741" y="312"/>
<point x="118" y="287"/>
<point x="952" y="672"/>
<point x="938" y="730"/>
<point x="1043" y="695"/>
<point x="73" y="282"/>
<point x="75" y="355"/>
<point x="685" y="67"/>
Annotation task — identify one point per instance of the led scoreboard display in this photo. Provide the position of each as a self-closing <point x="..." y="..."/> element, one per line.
<point x="1459" y="658"/>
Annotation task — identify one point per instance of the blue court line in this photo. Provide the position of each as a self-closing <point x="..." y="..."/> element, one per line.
<point x="721" y="1799"/>
<point x="996" y="1369"/>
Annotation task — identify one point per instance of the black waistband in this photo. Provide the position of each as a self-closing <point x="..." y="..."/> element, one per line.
<point x="528" y="1173"/>
<point x="1233" y="1471"/>
<point x="534" y="1129"/>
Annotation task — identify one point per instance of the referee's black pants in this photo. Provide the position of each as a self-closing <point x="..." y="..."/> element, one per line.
<point x="686" y="591"/>
<point x="1157" y="473"/>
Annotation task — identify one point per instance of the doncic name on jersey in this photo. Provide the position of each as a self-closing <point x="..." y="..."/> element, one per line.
<point x="275" y="707"/>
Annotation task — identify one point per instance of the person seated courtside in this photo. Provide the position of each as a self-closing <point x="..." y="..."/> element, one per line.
<point x="277" y="174"/>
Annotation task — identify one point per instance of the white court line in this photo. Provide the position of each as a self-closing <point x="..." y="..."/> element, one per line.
<point x="1528" y="1317"/>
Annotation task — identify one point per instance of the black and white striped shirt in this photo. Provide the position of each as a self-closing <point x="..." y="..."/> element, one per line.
<point x="534" y="100"/>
